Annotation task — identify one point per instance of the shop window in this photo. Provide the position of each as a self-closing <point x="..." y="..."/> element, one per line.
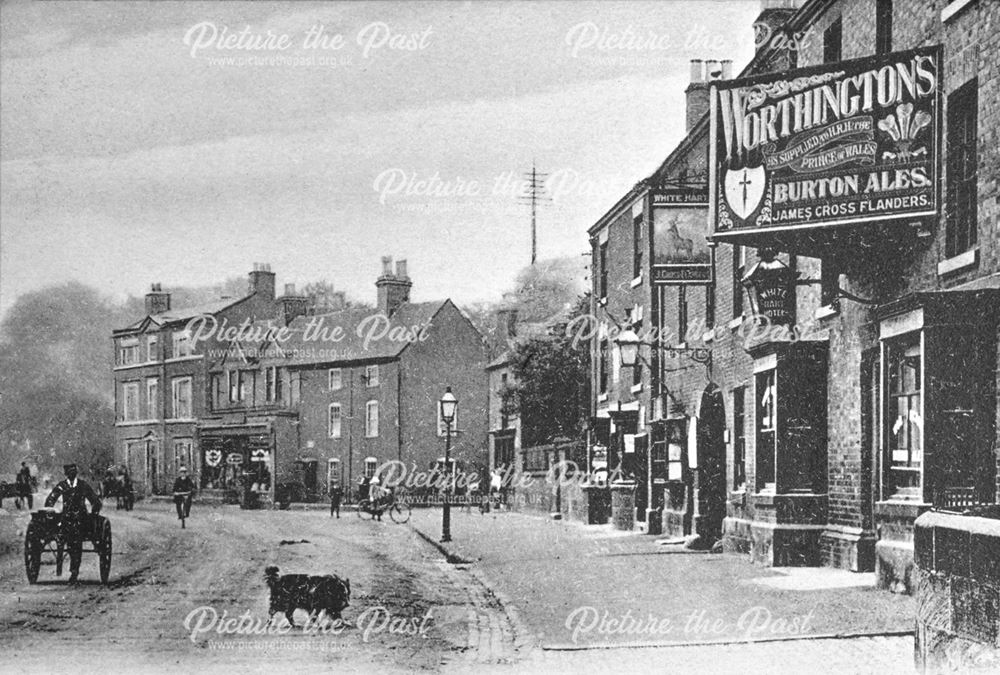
<point x="961" y="225"/>
<point x="833" y="41"/>
<point x="767" y="436"/>
<point x="883" y="26"/>
<point x="903" y="419"/>
<point x="739" y="438"/>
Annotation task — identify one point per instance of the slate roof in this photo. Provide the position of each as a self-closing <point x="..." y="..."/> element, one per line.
<point x="359" y="329"/>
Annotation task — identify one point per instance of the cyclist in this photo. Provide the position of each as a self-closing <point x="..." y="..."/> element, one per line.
<point x="183" y="489"/>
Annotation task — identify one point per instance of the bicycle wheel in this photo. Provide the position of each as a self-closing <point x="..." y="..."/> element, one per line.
<point x="364" y="506"/>
<point x="400" y="513"/>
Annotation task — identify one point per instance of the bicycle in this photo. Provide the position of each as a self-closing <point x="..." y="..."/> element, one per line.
<point x="399" y="510"/>
<point x="185" y="511"/>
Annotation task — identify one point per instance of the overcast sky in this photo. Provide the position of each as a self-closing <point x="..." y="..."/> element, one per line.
<point x="139" y="144"/>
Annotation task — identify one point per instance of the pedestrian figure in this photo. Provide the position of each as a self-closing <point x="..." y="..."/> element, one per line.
<point x="336" y="494"/>
<point x="24" y="491"/>
<point x="183" y="491"/>
<point x="76" y="521"/>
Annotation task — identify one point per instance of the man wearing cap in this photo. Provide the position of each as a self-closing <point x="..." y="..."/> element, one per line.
<point x="75" y="494"/>
<point x="183" y="489"/>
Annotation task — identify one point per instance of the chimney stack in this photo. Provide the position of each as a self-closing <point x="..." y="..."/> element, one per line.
<point x="261" y="281"/>
<point x="773" y="15"/>
<point x="697" y="94"/>
<point x="292" y="304"/>
<point x="157" y="302"/>
<point x="393" y="289"/>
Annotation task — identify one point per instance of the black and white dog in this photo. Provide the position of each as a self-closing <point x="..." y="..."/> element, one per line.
<point x="318" y="595"/>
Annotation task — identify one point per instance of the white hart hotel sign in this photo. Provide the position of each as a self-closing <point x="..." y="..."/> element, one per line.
<point x="838" y="144"/>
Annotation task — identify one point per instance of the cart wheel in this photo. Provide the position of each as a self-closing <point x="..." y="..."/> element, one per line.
<point x="400" y="513"/>
<point x="104" y="549"/>
<point x="32" y="555"/>
<point x="60" y="552"/>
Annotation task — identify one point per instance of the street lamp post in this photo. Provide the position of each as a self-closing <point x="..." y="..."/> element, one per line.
<point x="449" y="404"/>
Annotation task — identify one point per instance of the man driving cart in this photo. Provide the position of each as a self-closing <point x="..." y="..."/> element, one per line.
<point x="75" y="494"/>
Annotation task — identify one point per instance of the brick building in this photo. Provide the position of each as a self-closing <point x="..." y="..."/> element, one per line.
<point x="372" y="395"/>
<point x="161" y="379"/>
<point x="871" y="397"/>
<point x="306" y="398"/>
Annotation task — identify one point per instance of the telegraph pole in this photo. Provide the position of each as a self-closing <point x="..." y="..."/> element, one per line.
<point x="534" y="194"/>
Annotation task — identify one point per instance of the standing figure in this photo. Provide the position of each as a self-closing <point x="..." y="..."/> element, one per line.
<point x="336" y="494"/>
<point x="76" y="521"/>
<point x="24" y="491"/>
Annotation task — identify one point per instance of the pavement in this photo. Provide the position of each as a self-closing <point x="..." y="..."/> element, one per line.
<point x="591" y="598"/>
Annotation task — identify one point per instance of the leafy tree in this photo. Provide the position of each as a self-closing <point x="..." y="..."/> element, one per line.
<point x="552" y="378"/>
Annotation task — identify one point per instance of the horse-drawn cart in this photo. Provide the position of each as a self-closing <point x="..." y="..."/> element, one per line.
<point x="50" y="533"/>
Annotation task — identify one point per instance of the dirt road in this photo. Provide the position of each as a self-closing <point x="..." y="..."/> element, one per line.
<point x="172" y="592"/>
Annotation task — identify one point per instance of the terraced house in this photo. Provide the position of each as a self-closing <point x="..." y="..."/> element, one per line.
<point x="824" y="367"/>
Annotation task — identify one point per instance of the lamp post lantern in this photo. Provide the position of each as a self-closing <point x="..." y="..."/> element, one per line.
<point x="449" y="404"/>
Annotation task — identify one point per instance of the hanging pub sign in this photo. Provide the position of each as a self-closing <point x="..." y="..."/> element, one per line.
<point x="681" y="254"/>
<point x="842" y="143"/>
<point x="770" y="287"/>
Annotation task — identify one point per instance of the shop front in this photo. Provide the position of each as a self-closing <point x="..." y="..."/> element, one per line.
<point x="236" y="459"/>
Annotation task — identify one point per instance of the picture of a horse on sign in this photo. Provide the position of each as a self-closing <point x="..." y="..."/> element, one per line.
<point x="679" y="237"/>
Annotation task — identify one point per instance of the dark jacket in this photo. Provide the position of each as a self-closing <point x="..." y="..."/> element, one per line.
<point x="74" y="498"/>
<point x="184" y="484"/>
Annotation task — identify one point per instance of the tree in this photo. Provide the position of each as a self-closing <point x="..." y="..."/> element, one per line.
<point x="547" y="289"/>
<point x="552" y="376"/>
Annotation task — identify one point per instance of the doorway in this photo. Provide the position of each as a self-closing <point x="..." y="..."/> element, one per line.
<point x="711" y="462"/>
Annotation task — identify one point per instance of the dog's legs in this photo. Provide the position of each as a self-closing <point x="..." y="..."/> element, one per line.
<point x="288" y="615"/>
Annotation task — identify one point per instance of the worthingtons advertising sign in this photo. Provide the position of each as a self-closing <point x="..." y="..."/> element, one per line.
<point x="842" y="143"/>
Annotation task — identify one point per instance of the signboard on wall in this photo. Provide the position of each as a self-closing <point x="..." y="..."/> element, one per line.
<point x="843" y="143"/>
<point x="681" y="254"/>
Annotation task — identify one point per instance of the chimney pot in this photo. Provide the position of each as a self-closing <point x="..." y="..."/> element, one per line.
<point x="387" y="265"/>
<point x="289" y="289"/>
<point x="727" y="69"/>
<point x="401" y="268"/>
<point x="697" y="71"/>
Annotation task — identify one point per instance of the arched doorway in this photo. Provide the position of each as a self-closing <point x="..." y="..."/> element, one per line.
<point x="711" y="463"/>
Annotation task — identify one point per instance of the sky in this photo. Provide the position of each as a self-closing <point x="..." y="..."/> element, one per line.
<point x="180" y="142"/>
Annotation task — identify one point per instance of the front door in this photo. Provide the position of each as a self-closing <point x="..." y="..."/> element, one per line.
<point x="711" y="464"/>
